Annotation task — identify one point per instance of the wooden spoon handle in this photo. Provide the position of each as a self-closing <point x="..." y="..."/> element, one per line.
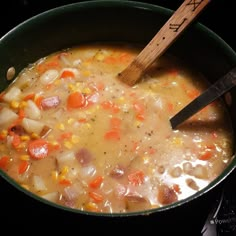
<point x="181" y="18"/>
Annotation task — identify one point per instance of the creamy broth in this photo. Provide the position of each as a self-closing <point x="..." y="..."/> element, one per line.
<point x="73" y="134"/>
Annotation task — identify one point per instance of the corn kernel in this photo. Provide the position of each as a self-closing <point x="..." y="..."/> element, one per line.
<point x="25" y="186"/>
<point x="24" y="138"/>
<point x="22" y="104"/>
<point x="75" y="139"/>
<point x="25" y="157"/>
<point x="57" y="82"/>
<point x="72" y="87"/>
<point x="54" y="175"/>
<point x="86" y="90"/>
<point x="137" y="123"/>
<point x="68" y="144"/>
<point x="34" y="135"/>
<point x="86" y="73"/>
<point x="177" y="141"/>
<point x="14" y="104"/>
<point x="70" y="121"/>
<point x="64" y="170"/>
<point x="91" y="206"/>
<point x="4" y="133"/>
<point x="145" y="159"/>
<point x="99" y="56"/>
<point x="121" y="100"/>
<point x="61" y="126"/>
<point x="61" y="177"/>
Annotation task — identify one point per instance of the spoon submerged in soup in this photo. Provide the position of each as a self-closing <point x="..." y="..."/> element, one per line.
<point x="216" y="90"/>
<point x="170" y="31"/>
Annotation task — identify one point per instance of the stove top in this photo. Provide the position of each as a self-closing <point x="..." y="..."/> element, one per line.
<point x="221" y="220"/>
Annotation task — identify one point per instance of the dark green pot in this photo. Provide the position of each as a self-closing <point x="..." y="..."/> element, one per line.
<point x="132" y="22"/>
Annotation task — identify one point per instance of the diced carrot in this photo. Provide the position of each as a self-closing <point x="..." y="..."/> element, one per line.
<point x="176" y="188"/>
<point x="205" y="156"/>
<point x="38" y="149"/>
<point x="38" y="100"/>
<point x="65" y="135"/>
<point x="53" y="63"/>
<point x="67" y="74"/>
<point x="15" y="140"/>
<point x="23" y="166"/>
<point x="115" y="123"/>
<point x="136" y="178"/>
<point x="4" y="160"/>
<point x="100" y="86"/>
<point x="96" y="182"/>
<point x="106" y="105"/>
<point x="110" y="60"/>
<point x="140" y="117"/>
<point x="193" y="93"/>
<point x="82" y="120"/>
<point x="125" y="58"/>
<point x="109" y="105"/>
<point x="66" y="182"/>
<point x="152" y="150"/>
<point x="76" y="100"/>
<point x="97" y="197"/>
<point x="29" y="96"/>
<point x="21" y="113"/>
<point x="170" y="107"/>
<point x="112" y="134"/>
<point x="2" y="95"/>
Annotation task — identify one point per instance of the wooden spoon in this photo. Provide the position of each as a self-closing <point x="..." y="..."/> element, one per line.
<point x="181" y="18"/>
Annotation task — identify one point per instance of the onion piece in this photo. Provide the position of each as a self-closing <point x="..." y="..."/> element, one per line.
<point x="32" y="111"/>
<point x="7" y="116"/>
<point x="32" y="126"/>
<point x="38" y="183"/>
<point x="12" y="94"/>
<point x="48" y="76"/>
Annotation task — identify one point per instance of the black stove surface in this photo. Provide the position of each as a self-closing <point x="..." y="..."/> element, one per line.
<point x="219" y="17"/>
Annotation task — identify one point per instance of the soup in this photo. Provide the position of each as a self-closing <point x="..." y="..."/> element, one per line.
<point x="73" y="134"/>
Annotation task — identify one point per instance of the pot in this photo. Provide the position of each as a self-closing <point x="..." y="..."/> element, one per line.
<point x="77" y="23"/>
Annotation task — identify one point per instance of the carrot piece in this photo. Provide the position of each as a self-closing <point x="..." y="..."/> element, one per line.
<point x="2" y="95"/>
<point x="21" y="113"/>
<point x="205" y="156"/>
<point x="140" y="117"/>
<point x="65" y="135"/>
<point x="95" y="183"/>
<point x="67" y="74"/>
<point x="106" y="105"/>
<point x="193" y="93"/>
<point x="136" y="178"/>
<point x="66" y="182"/>
<point x="38" y="149"/>
<point x="176" y="187"/>
<point x="23" y="167"/>
<point x="29" y="96"/>
<point x="38" y="101"/>
<point x="4" y="160"/>
<point x="97" y="197"/>
<point x="16" y="140"/>
<point x="76" y="100"/>
<point x="115" y="123"/>
<point x="112" y="134"/>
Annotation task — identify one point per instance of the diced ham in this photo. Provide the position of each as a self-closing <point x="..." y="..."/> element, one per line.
<point x="50" y="102"/>
<point x="83" y="156"/>
<point x="117" y="172"/>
